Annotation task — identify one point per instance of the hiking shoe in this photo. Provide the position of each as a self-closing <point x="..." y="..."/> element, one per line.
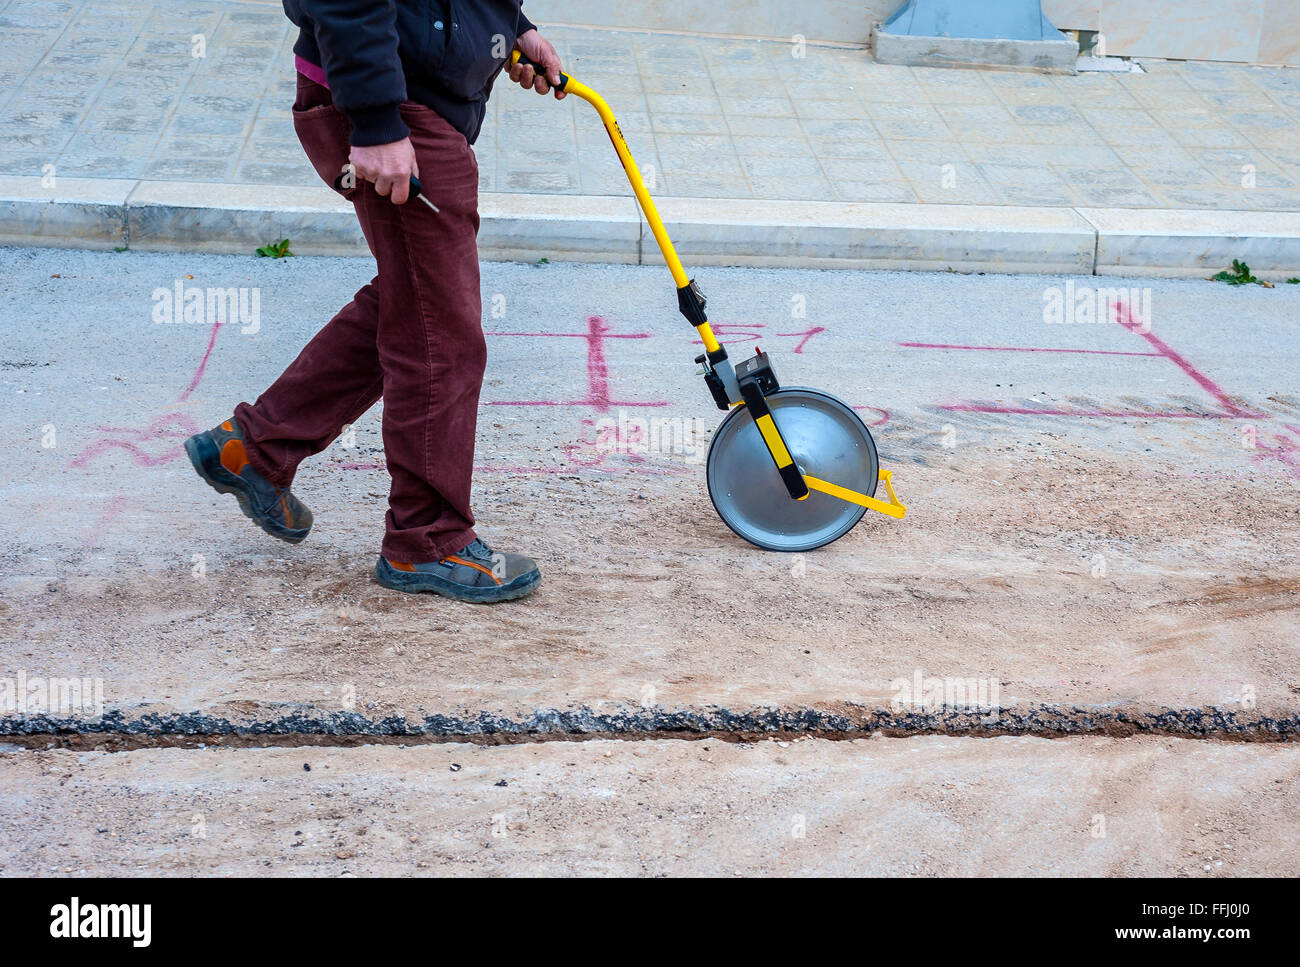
<point x="219" y="457"/>
<point x="476" y="573"/>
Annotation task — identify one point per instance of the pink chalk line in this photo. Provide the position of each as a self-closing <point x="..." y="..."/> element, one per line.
<point x="1022" y="349"/>
<point x="1124" y="316"/>
<point x="520" y="471"/>
<point x="203" y="365"/>
<point x="157" y="428"/>
<point x="598" y="390"/>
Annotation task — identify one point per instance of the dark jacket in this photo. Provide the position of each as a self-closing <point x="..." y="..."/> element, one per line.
<point x="443" y="54"/>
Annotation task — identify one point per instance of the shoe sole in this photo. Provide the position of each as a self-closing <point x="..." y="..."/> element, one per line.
<point x="206" y="460"/>
<point x="416" y="582"/>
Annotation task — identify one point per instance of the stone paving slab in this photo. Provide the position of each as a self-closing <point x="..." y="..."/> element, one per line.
<point x="113" y="90"/>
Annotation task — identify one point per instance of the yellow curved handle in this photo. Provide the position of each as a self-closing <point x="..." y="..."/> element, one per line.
<point x="570" y="85"/>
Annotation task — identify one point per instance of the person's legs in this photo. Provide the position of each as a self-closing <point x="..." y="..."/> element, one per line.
<point x="337" y="377"/>
<point x="413" y="334"/>
<point x="334" y="380"/>
<point x="432" y="353"/>
<point x="430" y="342"/>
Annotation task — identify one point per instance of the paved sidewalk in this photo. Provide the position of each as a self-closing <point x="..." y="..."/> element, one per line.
<point x="112" y="92"/>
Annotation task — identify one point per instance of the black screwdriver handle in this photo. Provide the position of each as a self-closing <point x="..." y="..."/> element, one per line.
<point x="417" y="189"/>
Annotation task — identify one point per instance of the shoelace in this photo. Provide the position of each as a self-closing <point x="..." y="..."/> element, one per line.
<point x="478" y="550"/>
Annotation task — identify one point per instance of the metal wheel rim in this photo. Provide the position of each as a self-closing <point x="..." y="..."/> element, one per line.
<point x="826" y="438"/>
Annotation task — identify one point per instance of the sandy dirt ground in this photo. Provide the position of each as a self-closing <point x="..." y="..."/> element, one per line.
<point x="1103" y="522"/>
<point x="1189" y="613"/>
<point x="923" y="806"/>
<point x="1107" y="561"/>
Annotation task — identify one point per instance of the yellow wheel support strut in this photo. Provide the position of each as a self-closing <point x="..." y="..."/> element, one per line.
<point x="771" y="435"/>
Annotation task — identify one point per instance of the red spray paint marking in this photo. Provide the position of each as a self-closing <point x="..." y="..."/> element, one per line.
<point x="1022" y="349"/>
<point x="743" y="331"/>
<point x="520" y="471"/>
<point x="95" y="532"/>
<point x="130" y="438"/>
<point x="114" y="507"/>
<point x="153" y="433"/>
<point x="610" y="438"/>
<point x="1124" y="316"/>
<point x="1117" y="414"/>
<point x="807" y="334"/>
<point x="884" y="415"/>
<point x="598" y="390"/>
<point x="629" y="440"/>
<point x="733" y="331"/>
<point x="540" y="471"/>
<point x="203" y="365"/>
<point x="111" y="510"/>
<point x="1287" y="453"/>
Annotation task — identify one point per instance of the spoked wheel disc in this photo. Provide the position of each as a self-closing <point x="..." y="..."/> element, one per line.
<point x="825" y="438"/>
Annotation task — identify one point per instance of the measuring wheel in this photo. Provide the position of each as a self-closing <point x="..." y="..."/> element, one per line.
<point x="825" y="438"/>
<point x="789" y="469"/>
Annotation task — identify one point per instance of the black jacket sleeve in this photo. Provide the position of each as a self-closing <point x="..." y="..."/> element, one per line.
<point x="525" y="24"/>
<point x="357" y="40"/>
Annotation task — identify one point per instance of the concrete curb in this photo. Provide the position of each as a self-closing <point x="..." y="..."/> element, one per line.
<point x="1200" y="243"/>
<point x="204" y="217"/>
<point x="992" y="53"/>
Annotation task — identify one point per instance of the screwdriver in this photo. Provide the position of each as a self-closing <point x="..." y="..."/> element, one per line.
<point x="417" y="189"/>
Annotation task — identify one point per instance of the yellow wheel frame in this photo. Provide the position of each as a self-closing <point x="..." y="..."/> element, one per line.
<point x="772" y="438"/>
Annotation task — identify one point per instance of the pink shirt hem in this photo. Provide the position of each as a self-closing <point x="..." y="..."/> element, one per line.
<point x="312" y="72"/>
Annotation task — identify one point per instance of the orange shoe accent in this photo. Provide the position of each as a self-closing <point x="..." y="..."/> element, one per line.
<point x="400" y="566"/>
<point x="227" y="427"/>
<point x="284" y="507"/>
<point x="478" y="567"/>
<point x="234" y="457"/>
